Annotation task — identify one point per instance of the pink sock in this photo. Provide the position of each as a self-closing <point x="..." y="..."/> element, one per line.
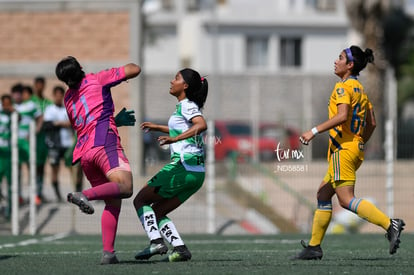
<point x="109" y="225"/>
<point x="103" y="191"/>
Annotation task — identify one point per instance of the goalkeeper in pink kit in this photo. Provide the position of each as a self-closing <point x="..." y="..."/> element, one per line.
<point x="90" y="108"/>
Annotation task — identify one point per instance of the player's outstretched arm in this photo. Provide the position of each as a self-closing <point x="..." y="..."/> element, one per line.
<point x="336" y="120"/>
<point x="199" y="126"/>
<point x="131" y="70"/>
<point x="149" y="126"/>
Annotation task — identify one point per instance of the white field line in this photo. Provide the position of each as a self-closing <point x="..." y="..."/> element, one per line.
<point x="35" y="241"/>
<point x="57" y="240"/>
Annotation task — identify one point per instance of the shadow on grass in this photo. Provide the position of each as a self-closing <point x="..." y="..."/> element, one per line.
<point x="52" y="212"/>
<point x="6" y="257"/>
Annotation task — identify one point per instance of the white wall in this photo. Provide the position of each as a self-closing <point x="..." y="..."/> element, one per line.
<point x="161" y="54"/>
<point x="320" y="52"/>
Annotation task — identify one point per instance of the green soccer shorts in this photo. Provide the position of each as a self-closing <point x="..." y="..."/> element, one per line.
<point x="5" y="165"/>
<point x="174" y="181"/>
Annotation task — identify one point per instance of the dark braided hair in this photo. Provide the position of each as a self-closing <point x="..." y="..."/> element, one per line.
<point x="359" y="57"/>
<point x="69" y="71"/>
<point x="197" y="86"/>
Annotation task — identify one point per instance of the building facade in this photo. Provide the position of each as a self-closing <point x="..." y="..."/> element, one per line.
<point x="239" y="36"/>
<point x="265" y="60"/>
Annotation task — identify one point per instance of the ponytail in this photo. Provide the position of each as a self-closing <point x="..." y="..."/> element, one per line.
<point x="197" y="89"/>
<point x="369" y="55"/>
<point x="200" y="96"/>
<point x="359" y="57"/>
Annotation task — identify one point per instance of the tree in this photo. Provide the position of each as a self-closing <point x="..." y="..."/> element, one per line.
<point x="397" y="26"/>
<point x="368" y="17"/>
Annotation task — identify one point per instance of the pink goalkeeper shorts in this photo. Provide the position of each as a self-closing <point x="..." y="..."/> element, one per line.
<point x="99" y="162"/>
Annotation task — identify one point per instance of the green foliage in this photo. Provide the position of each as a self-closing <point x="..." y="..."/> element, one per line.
<point x="406" y="78"/>
<point x="399" y="51"/>
<point x="396" y="25"/>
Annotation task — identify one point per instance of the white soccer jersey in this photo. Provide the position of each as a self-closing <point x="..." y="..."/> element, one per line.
<point x="56" y="113"/>
<point x="191" y="150"/>
<point x="28" y="111"/>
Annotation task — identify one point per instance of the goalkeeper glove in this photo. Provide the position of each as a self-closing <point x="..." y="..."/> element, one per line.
<point x="125" y="118"/>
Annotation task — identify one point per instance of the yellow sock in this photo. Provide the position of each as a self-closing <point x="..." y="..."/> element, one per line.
<point x="369" y="212"/>
<point x="321" y="221"/>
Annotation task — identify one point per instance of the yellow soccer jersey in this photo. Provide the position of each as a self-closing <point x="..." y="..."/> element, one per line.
<point x="349" y="134"/>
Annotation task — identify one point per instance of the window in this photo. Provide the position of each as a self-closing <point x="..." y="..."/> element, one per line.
<point x="167" y="5"/>
<point x="326" y="5"/>
<point x="257" y="52"/>
<point x="153" y="6"/>
<point x="193" y="5"/>
<point x="239" y="129"/>
<point x="290" y="52"/>
<point x="322" y="5"/>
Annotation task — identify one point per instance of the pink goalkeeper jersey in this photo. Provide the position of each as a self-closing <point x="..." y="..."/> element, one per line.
<point x="91" y="109"/>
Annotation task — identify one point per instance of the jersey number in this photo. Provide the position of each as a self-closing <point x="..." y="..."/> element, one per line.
<point x="356" y="121"/>
<point x="79" y="119"/>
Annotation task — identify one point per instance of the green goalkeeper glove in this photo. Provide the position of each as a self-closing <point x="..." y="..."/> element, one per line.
<point x="125" y="118"/>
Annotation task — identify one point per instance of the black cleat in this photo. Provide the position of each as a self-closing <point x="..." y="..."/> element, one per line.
<point x="393" y="234"/>
<point x="309" y="252"/>
<point x="154" y="248"/>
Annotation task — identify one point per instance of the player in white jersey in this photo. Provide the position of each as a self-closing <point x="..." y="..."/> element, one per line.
<point x="183" y="176"/>
<point x="58" y="135"/>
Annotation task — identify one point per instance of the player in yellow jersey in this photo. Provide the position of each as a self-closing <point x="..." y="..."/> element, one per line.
<point x="351" y="123"/>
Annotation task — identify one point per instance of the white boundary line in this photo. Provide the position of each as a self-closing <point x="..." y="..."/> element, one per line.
<point x="120" y="242"/>
<point x="36" y="241"/>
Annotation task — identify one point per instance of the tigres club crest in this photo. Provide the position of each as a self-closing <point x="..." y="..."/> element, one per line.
<point x="340" y="91"/>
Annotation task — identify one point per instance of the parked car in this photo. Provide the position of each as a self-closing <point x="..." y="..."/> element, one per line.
<point x="231" y="137"/>
<point x="236" y="137"/>
<point x="287" y="136"/>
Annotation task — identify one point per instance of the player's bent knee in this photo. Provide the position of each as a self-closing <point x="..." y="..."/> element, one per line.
<point x="125" y="189"/>
<point x="344" y="205"/>
<point x="138" y="203"/>
<point x="127" y="193"/>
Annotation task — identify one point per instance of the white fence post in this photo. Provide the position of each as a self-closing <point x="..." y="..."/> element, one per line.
<point x="211" y="175"/>
<point x="15" y="174"/>
<point x="32" y="173"/>
<point x="390" y="137"/>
